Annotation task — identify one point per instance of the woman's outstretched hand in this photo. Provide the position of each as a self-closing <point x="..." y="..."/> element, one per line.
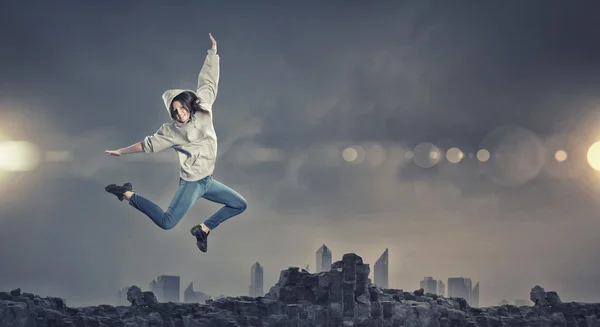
<point x="214" y="43"/>
<point x="112" y="153"/>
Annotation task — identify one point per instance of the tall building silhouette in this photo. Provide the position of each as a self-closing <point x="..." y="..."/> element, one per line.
<point x="461" y="287"/>
<point x="381" y="270"/>
<point x="458" y="288"/>
<point x="154" y="289"/>
<point x="166" y="288"/>
<point x="468" y="286"/>
<point x="475" y="296"/>
<point x="191" y="296"/>
<point x="323" y="259"/>
<point x="256" y="280"/>
<point x="441" y="288"/>
<point x="429" y="285"/>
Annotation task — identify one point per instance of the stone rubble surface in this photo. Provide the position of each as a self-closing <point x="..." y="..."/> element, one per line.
<point x="342" y="297"/>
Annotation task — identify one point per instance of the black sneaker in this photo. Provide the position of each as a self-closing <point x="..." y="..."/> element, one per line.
<point x="201" y="237"/>
<point x="119" y="190"/>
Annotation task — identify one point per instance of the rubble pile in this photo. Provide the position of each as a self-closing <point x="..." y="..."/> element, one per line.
<point x="342" y="296"/>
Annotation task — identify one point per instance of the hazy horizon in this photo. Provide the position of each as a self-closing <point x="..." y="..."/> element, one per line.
<point x="319" y="110"/>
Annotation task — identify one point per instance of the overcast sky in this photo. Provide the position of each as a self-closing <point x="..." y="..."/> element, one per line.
<point x="299" y="84"/>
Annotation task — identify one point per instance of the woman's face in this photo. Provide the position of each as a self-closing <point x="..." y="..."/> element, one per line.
<point x="181" y="114"/>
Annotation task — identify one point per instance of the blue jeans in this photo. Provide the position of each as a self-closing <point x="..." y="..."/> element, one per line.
<point x="186" y="195"/>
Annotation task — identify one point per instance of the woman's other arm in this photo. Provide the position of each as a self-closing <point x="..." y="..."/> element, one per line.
<point x="136" y="147"/>
<point x="161" y="140"/>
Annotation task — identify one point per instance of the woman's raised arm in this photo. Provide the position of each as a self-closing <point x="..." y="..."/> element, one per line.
<point x="208" y="79"/>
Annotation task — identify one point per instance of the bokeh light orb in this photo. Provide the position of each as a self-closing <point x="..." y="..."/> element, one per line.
<point x="561" y="155"/>
<point x="483" y="155"/>
<point x="593" y="156"/>
<point x="18" y="156"/>
<point x="454" y="155"/>
<point x="375" y="154"/>
<point x="350" y="154"/>
<point x="566" y="155"/>
<point x="519" y="155"/>
<point x="426" y="155"/>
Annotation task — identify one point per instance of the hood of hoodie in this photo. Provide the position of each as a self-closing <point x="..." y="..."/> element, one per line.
<point x="168" y="97"/>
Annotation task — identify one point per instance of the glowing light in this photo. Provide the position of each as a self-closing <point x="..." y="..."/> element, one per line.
<point x="593" y="156"/>
<point x="376" y="154"/>
<point x="409" y="155"/>
<point x="18" y="156"/>
<point x="518" y="154"/>
<point x="350" y="154"/>
<point x="426" y="155"/>
<point x="560" y="155"/>
<point x="483" y="155"/>
<point x="561" y="164"/>
<point x="454" y="155"/>
<point x="355" y="154"/>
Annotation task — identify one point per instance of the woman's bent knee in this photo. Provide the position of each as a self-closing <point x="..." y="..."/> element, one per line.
<point x="168" y="226"/>
<point x="168" y="223"/>
<point x="242" y="205"/>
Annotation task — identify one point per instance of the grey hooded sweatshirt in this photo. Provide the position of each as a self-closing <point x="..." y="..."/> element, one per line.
<point x="196" y="141"/>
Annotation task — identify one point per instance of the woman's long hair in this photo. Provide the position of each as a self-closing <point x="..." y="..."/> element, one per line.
<point x="189" y="101"/>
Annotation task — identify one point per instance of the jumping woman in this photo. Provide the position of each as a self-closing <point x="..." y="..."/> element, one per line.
<point x="192" y="135"/>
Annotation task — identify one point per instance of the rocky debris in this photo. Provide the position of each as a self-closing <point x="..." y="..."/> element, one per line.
<point x="419" y="292"/>
<point x="542" y="298"/>
<point x="343" y="296"/>
<point x="139" y="298"/>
